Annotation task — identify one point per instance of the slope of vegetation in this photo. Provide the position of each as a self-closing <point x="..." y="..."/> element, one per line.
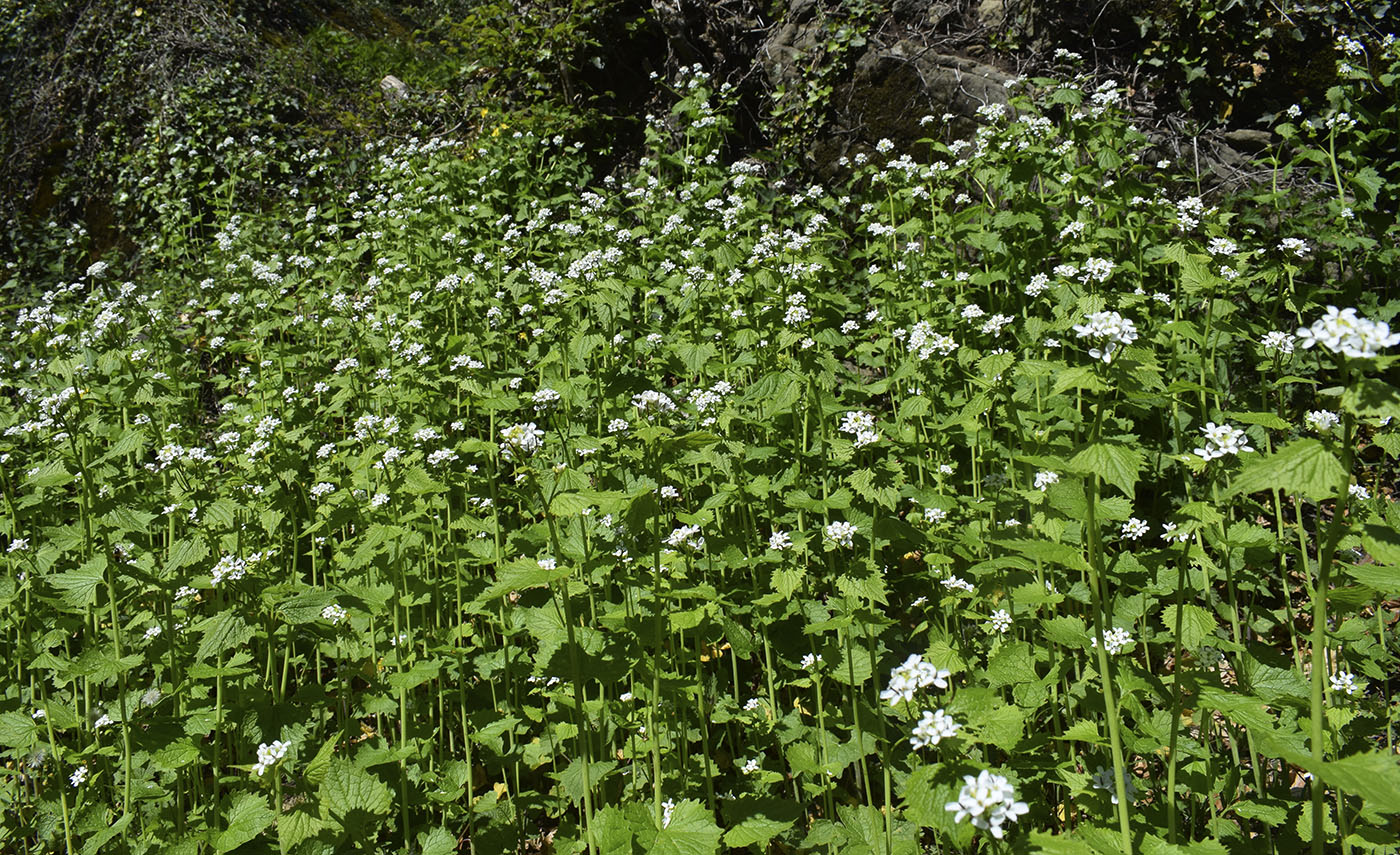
<point x="1008" y="494"/>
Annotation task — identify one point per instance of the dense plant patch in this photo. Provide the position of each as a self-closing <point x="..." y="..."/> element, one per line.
<point x="1007" y="496"/>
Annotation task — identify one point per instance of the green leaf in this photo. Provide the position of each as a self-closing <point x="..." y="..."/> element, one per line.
<point x="247" y="816"/>
<point x="221" y="633"/>
<point x="352" y="797"/>
<point x="691" y="831"/>
<point x="1268" y="420"/>
<point x="78" y="587"/>
<point x="185" y="552"/>
<point x="436" y="842"/>
<point x="1067" y="631"/>
<point x="1116" y="464"/>
<point x="296" y="825"/>
<point x="317" y="767"/>
<point x="1372" y="397"/>
<point x="1198" y="624"/>
<point x="757" y="820"/>
<point x="1013" y="664"/>
<point x="571" y="779"/>
<point x="1382" y="542"/>
<point x="1304" y="467"/>
<point x="17" y="729"/>
<point x="1374" y="776"/>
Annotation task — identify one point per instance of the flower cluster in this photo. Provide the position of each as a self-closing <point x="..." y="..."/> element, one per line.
<point x="269" y="755"/>
<point x="934" y="727"/>
<point x="1115" y="640"/>
<point x="913" y="675"/>
<point x="841" y="533"/>
<point x="525" y="439"/>
<point x="861" y="426"/>
<point x="1222" y="440"/>
<point x="1343" y="331"/>
<point x="989" y="801"/>
<point x="1108" y="331"/>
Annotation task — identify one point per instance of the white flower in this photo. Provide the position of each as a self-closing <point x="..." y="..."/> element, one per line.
<point x="653" y="401"/>
<point x="933" y="728"/>
<point x="379" y="500"/>
<point x="913" y="675"/>
<point x="809" y="661"/>
<point x="1342" y="331"/>
<point x="687" y="536"/>
<point x="270" y="755"/>
<point x="1321" y="420"/>
<point x="1277" y="342"/>
<point x="523" y="438"/>
<point x="333" y="613"/>
<point x="103" y="720"/>
<point x="1358" y="491"/>
<point x="989" y="801"/>
<point x="1001" y="621"/>
<point x="1045" y="478"/>
<point x="1222" y="440"/>
<point x="1221" y="246"/>
<point x="618" y="426"/>
<point x="1103" y="780"/>
<point x="779" y="540"/>
<point x="668" y="807"/>
<point x="841" y="533"/>
<point x="860" y="425"/>
<point x="547" y="563"/>
<point x="1134" y="528"/>
<point x="1114" y="641"/>
<point x="1108" y="331"/>
<point x="933" y="516"/>
<point x="1297" y="246"/>
<point x="19" y="544"/>
<point x="1169" y="533"/>
<point x="955" y="583"/>
<point x="79" y="775"/>
<point x="1345" y="682"/>
<point x="544" y="399"/>
<point x="752" y="766"/>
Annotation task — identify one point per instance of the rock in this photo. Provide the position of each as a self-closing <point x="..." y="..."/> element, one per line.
<point x="1248" y="139"/>
<point x="894" y="87"/>
<point x="393" y="88"/>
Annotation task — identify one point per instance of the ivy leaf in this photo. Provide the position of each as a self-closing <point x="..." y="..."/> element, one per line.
<point x="1116" y="464"/>
<point x="1304" y="467"/>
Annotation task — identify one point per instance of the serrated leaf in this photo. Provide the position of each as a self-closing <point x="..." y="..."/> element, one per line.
<point x="1372" y="397"/>
<point x="1304" y="467"/>
<point x="221" y="633"/>
<point x="436" y="842"/>
<point x="352" y="797"/>
<point x="758" y="820"/>
<point x="1374" y="776"/>
<point x="1198" y="624"/>
<point x="691" y="831"/>
<point x="1116" y="464"/>
<point x="1066" y="630"/>
<point x="246" y="818"/>
<point x="78" y="587"/>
